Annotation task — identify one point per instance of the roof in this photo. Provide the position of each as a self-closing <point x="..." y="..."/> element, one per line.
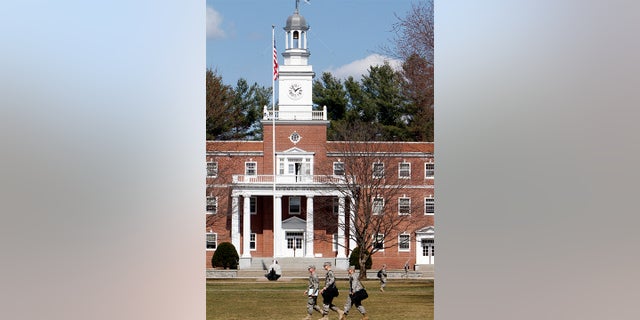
<point x="234" y="146"/>
<point x="380" y="147"/>
<point x="296" y="22"/>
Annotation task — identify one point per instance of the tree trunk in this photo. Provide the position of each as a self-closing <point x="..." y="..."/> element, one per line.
<point x="363" y="268"/>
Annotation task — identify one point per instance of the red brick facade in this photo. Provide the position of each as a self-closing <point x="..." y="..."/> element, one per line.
<point x="231" y="158"/>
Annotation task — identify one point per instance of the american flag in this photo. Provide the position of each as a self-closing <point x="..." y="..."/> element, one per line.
<point x="275" y="62"/>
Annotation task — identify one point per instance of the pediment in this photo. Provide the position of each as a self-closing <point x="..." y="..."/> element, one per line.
<point x="294" y="223"/>
<point x="295" y="150"/>
<point x="429" y="230"/>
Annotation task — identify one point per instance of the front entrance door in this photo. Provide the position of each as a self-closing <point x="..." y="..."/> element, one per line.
<point x="295" y="244"/>
<point x="428" y="252"/>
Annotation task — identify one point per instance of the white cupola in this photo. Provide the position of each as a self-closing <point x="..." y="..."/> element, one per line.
<point x="296" y="51"/>
<point x="295" y="74"/>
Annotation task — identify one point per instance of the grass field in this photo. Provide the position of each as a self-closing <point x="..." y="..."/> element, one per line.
<point x="284" y="299"/>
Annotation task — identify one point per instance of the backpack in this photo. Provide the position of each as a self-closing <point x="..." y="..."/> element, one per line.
<point x="380" y="273"/>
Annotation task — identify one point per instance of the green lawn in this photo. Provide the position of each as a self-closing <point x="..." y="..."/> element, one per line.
<point x="284" y="299"/>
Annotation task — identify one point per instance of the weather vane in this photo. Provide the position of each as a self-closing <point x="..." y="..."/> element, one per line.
<point x="298" y="3"/>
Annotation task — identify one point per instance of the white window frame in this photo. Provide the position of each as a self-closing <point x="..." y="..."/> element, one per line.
<point x="407" y="170"/>
<point x="376" y="239"/>
<point x="338" y="172"/>
<point x="429" y="172"/>
<point x="400" y="242"/>
<point x="299" y="199"/>
<point x="335" y="242"/>
<point x="248" y="171"/>
<point x="214" y="203"/>
<point x="215" y="241"/>
<point x="212" y="169"/>
<point x="429" y="202"/>
<point x="377" y="174"/>
<point x="407" y="205"/>
<point x="253" y="239"/>
<point x="380" y="206"/>
<point x="253" y="205"/>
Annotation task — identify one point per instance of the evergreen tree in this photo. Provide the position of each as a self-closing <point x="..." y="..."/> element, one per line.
<point x="234" y="114"/>
<point x="382" y="87"/>
<point x="329" y="91"/>
<point x="417" y="87"/>
<point x="219" y="99"/>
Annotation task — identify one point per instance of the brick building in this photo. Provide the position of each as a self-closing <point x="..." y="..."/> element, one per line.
<point x="310" y="193"/>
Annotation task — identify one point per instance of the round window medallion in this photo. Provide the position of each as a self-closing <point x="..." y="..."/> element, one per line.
<point x="294" y="137"/>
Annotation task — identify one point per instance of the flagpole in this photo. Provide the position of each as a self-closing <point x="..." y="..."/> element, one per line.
<point x="276" y="240"/>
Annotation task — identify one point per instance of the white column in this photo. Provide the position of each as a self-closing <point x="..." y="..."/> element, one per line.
<point x="235" y="222"/>
<point x="352" y="225"/>
<point x="304" y="34"/>
<point x="277" y="226"/>
<point x="341" y="228"/>
<point x="309" y="232"/>
<point x="246" y="226"/>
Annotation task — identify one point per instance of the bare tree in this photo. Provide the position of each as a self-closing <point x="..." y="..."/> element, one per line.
<point x="372" y="187"/>
<point x="413" y="43"/>
<point x="413" y="33"/>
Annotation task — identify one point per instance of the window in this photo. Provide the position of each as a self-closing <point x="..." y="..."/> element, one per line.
<point x="212" y="169"/>
<point x="335" y="242"/>
<point x="404" y="170"/>
<point x="338" y="168"/>
<point x="212" y="204"/>
<point x="404" y="242"/>
<point x="294" y="205"/>
<point x="429" y="207"/>
<point x="426" y="245"/>
<point x="250" y="168"/>
<point x="336" y="205"/>
<point x="378" y="205"/>
<point x="212" y="240"/>
<point x="294" y="137"/>
<point x="378" y="170"/>
<point x="429" y="170"/>
<point x="378" y="241"/>
<point x="404" y="206"/>
<point x="252" y="241"/>
<point x="253" y="205"/>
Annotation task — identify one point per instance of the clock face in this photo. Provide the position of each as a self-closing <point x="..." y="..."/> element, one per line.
<point x="295" y="91"/>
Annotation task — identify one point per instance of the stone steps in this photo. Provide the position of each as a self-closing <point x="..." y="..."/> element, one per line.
<point x="297" y="268"/>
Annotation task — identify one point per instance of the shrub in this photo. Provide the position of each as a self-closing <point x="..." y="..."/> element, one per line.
<point x="353" y="259"/>
<point x="225" y="256"/>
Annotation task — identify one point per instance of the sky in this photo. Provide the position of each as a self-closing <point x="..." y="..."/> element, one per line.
<point x="345" y="37"/>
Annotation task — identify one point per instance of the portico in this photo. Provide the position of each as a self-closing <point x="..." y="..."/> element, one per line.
<point x="292" y="228"/>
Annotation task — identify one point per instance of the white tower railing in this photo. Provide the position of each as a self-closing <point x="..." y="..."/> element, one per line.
<point x="295" y="115"/>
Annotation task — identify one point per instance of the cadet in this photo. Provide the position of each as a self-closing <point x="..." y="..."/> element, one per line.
<point x="357" y="293"/>
<point x="328" y="292"/>
<point x="382" y="275"/>
<point x="312" y="292"/>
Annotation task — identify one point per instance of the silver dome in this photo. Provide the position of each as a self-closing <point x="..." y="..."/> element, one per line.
<point x="296" y="22"/>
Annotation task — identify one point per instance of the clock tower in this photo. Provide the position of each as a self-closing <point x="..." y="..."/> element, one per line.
<point x="295" y="75"/>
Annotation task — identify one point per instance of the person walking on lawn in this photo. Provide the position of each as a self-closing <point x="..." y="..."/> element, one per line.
<point x="357" y="293"/>
<point x="328" y="292"/>
<point x="382" y="275"/>
<point x="312" y="292"/>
